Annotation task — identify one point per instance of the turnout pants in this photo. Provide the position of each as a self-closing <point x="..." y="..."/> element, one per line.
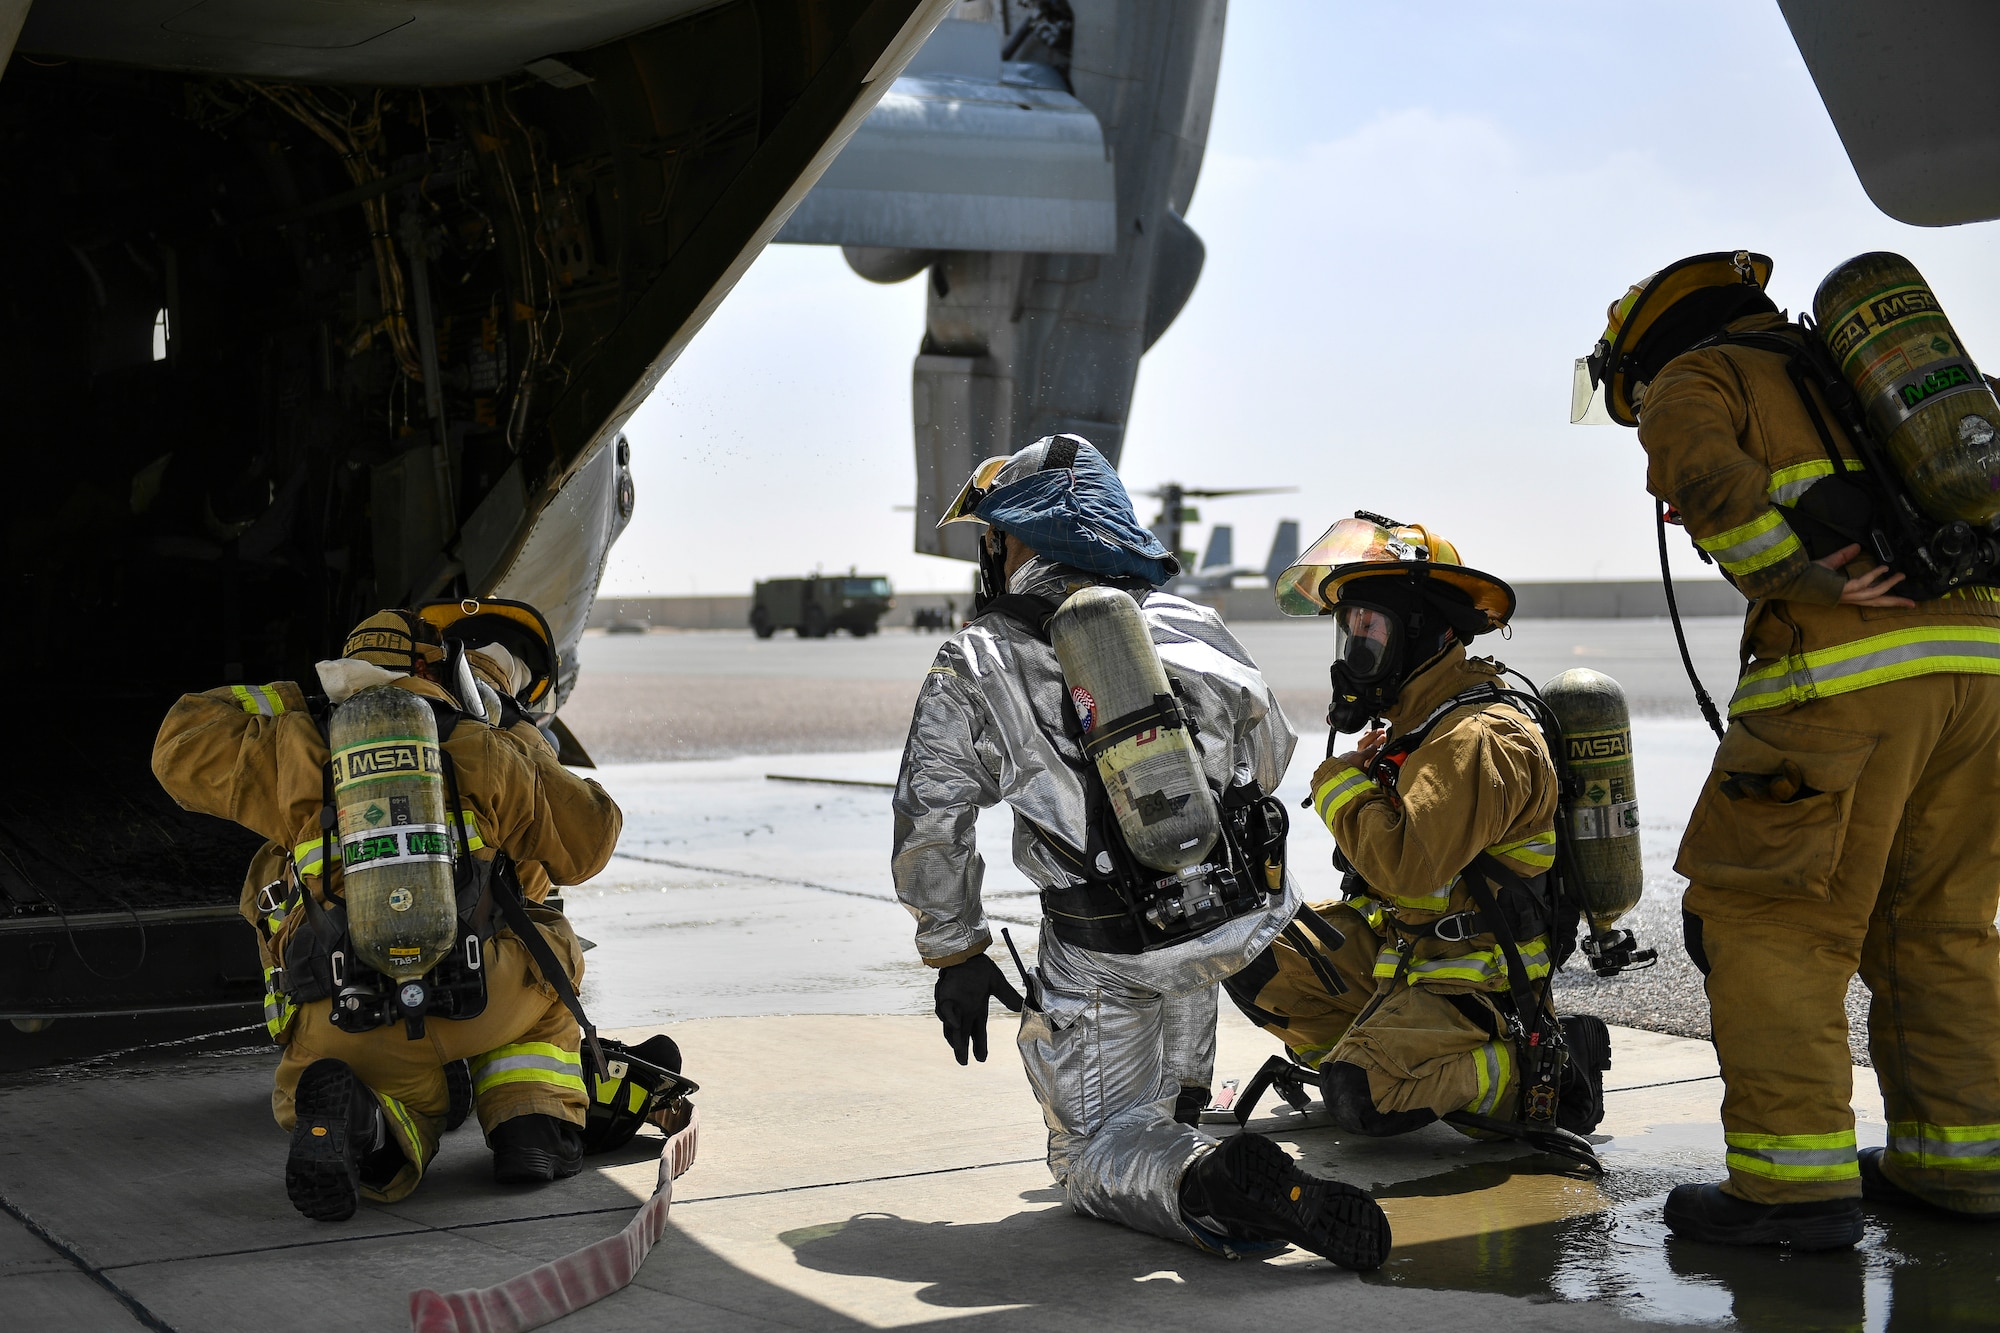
<point x="1107" y="1056"/>
<point x="1423" y="1047"/>
<point x="522" y="1050"/>
<point x="1857" y="831"/>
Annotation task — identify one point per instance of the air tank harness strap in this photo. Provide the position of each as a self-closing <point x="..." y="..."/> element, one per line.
<point x="1539" y="1038"/>
<point x="507" y="894"/>
<point x="1388" y="763"/>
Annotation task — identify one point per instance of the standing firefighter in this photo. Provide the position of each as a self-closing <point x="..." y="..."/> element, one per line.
<point x="1846" y="823"/>
<point x="362" y="1083"/>
<point x="1107" y="714"/>
<point x="1423" y="992"/>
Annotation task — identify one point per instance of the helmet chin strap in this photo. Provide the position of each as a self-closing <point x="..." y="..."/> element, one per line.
<point x="992" y="568"/>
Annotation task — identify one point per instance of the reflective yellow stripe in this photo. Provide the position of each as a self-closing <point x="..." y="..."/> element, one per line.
<point x="1340" y="787"/>
<point x="527" y="1062"/>
<point x="1749" y="547"/>
<point x="1495" y="1065"/>
<point x="1537" y="850"/>
<point x="1794" y="1156"/>
<point x="470" y="823"/>
<point x="1483" y="967"/>
<point x="1789" y="483"/>
<point x="1437" y="901"/>
<point x="278" y="1006"/>
<point x="1915" y="1143"/>
<point x="307" y="857"/>
<point x="259" y="700"/>
<point x="1876" y="660"/>
<point x="1370" y="911"/>
<point x="401" y="1119"/>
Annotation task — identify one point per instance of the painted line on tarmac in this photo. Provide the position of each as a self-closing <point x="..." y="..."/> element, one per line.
<point x="1666" y="1083"/>
<point x="794" y="883"/>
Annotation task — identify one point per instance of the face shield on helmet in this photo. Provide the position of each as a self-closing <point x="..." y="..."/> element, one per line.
<point x="1365" y="539"/>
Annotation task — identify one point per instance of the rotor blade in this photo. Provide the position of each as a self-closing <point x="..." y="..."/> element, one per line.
<point x="1193" y="494"/>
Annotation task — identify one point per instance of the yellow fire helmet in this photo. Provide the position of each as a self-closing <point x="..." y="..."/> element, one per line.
<point x="1369" y="545"/>
<point x="396" y="639"/>
<point x="1683" y="303"/>
<point x="515" y="626"/>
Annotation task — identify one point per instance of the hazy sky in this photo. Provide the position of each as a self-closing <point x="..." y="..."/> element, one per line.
<point x="1415" y="216"/>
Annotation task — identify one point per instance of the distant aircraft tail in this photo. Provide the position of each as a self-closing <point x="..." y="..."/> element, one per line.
<point x="1284" y="550"/>
<point x="1221" y="552"/>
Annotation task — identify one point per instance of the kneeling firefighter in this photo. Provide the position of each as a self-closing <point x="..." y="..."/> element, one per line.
<point x="1136" y="742"/>
<point x="395" y="937"/>
<point x="1841" y="470"/>
<point x="1423" y="992"/>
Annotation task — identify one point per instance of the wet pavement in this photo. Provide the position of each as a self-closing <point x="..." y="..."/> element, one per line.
<point x="851" y="1176"/>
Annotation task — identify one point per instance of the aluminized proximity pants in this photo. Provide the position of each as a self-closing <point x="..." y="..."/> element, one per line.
<point x="1859" y="832"/>
<point x="1107" y="1056"/>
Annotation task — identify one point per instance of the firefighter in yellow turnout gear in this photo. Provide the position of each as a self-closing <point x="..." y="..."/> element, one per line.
<point x="1405" y="1006"/>
<point x="1847" y="822"/>
<point x="366" y="1108"/>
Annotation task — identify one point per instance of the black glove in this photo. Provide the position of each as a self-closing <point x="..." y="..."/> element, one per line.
<point x="961" y="993"/>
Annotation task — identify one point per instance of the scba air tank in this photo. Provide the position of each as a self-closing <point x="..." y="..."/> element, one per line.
<point x="395" y="848"/>
<point x="1604" y="814"/>
<point x="1134" y="730"/>
<point x="1925" y="399"/>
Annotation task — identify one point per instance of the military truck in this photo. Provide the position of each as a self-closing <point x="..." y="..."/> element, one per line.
<point x="820" y="603"/>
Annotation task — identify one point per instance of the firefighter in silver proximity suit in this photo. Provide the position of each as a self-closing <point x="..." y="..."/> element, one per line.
<point x="1115" y="1034"/>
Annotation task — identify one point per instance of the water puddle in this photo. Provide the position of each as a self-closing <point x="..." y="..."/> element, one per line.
<point x="1512" y="1228"/>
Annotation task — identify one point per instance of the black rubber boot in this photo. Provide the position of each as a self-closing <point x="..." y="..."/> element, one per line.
<point x="339" y="1125"/>
<point x="1189" y="1105"/>
<point x="458" y="1093"/>
<point x="1706" y="1213"/>
<point x="1250" y="1189"/>
<point x="1876" y="1187"/>
<point x="1580" y="1106"/>
<point x="535" y="1149"/>
<point x="1352" y="1106"/>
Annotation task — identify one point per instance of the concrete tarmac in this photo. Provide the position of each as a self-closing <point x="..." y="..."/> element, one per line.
<point x="851" y="1176"/>
<point x="706" y="694"/>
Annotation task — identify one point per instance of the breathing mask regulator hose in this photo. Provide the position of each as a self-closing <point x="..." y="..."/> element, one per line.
<point x="1701" y="695"/>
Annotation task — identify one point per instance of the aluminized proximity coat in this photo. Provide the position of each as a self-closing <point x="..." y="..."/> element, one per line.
<point x="1118" y="1033"/>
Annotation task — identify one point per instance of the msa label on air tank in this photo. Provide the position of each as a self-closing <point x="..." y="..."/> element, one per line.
<point x="396" y="846"/>
<point x="396" y="757"/>
<point x="1878" y="312"/>
<point x="1588" y="746"/>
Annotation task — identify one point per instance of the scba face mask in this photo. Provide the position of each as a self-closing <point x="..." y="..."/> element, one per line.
<point x="1367" y="664"/>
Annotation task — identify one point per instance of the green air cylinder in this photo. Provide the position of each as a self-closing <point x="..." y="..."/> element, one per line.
<point x="1604" y="818"/>
<point x="1132" y="730"/>
<point x="1926" y="401"/>
<point x="395" y="849"/>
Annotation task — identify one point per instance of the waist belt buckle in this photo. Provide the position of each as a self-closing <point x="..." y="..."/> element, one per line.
<point x="1456" y="928"/>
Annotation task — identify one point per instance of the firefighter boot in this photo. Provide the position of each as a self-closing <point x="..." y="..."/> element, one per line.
<point x="1580" y="1104"/>
<point x="339" y="1140"/>
<point x="458" y="1093"/>
<point x="1876" y="1187"/>
<point x="535" y="1149"/>
<point x="1708" y="1213"/>
<point x="1250" y="1189"/>
<point x="1352" y="1105"/>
